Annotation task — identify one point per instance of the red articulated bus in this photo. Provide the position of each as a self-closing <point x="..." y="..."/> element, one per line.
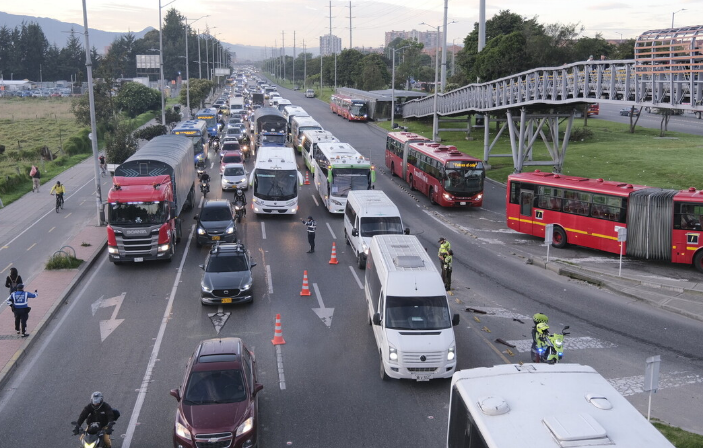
<point x="593" y="109"/>
<point x="661" y="224"/>
<point x="447" y="176"/>
<point x="349" y="108"/>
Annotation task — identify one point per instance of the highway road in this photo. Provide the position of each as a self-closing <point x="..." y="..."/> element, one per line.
<point x="686" y="123"/>
<point x="129" y="330"/>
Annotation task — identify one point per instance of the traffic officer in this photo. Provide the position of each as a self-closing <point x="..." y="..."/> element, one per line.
<point x="312" y="226"/>
<point x="18" y="301"/>
<point x="447" y="270"/>
<point x="444" y="247"/>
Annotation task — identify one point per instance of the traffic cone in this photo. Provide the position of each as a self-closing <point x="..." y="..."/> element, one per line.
<point x="278" y="332"/>
<point x="306" y="289"/>
<point x="307" y="178"/>
<point x="333" y="260"/>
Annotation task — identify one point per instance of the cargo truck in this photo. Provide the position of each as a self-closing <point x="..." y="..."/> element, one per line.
<point x="150" y="192"/>
<point x="270" y="127"/>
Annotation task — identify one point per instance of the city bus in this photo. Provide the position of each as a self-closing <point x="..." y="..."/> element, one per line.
<point x="197" y="131"/>
<point x="300" y="124"/>
<point x="541" y="405"/>
<point x="660" y="224"/>
<point x="338" y="168"/>
<point x="445" y="175"/>
<point x="308" y="143"/>
<point x="209" y="115"/>
<point x="396" y="151"/>
<point x="350" y="108"/>
<point x="275" y="180"/>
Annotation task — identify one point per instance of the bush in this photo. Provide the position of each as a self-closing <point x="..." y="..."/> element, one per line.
<point x="580" y="134"/>
<point x="149" y="132"/>
<point x="63" y="261"/>
<point x="135" y="99"/>
<point x="74" y="145"/>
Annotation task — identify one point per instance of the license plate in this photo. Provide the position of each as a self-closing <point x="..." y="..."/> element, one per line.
<point x="462" y="203"/>
<point x="138" y="259"/>
<point x="227" y="300"/>
<point x="423" y="377"/>
<point x="216" y="238"/>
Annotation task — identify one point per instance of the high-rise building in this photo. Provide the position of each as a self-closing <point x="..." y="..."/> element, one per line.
<point x="426" y="38"/>
<point x="330" y="44"/>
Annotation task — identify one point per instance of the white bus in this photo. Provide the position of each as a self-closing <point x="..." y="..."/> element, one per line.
<point x="288" y="113"/>
<point x="298" y="125"/>
<point x="542" y="405"/>
<point x="408" y="307"/>
<point x="338" y="168"/>
<point x="309" y="141"/>
<point x="275" y="180"/>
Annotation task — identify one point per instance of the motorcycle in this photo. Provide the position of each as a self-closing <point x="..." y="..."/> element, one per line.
<point x="552" y="351"/>
<point x="215" y="144"/>
<point x="92" y="435"/>
<point x="204" y="187"/>
<point x="245" y="151"/>
<point x="239" y="211"/>
<point x="200" y="166"/>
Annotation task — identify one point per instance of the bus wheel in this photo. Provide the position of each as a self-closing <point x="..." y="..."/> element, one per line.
<point x="384" y="376"/>
<point x="392" y="169"/>
<point x="431" y="196"/>
<point x="698" y="261"/>
<point x="559" y="238"/>
<point x="410" y="182"/>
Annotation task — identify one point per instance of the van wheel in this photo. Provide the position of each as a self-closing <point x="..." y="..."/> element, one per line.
<point x="559" y="238"/>
<point x="384" y="376"/>
<point x="368" y="316"/>
<point x="360" y="262"/>
<point x="410" y="182"/>
<point x="346" y="238"/>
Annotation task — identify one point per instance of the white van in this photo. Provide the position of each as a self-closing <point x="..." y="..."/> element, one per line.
<point x="369" y="213"/>
<point x="408" y="308"/>
<point x="236" y="104"/>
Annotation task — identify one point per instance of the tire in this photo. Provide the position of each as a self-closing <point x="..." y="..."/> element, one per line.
<point x="382" y="370"/>
<point x="431" y="196"/>
<point x="698" y="261"/>
<point x="346" y="238"/>
<point x="239" y="218"/>
<point x="559" y="238"/>
<point x="410" y="182"/>
<point x="198" y="243"/>
<point x="360" y="262"/>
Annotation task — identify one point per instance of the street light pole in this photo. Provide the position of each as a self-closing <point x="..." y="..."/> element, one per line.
<point x="673" y="14"/>
<point x="200" y="63"/>
<point x="161" y="65"/>
<point x="435" y="120"/>
<point x="188" y="64"/>
<point x="393" y="87"/>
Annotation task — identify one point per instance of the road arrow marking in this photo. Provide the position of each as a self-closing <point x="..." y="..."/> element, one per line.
<point x="219" y="318"/>
<point x="108" y="326"/>
<point x="325" y="314"/>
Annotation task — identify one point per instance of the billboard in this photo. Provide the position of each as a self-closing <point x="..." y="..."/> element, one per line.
<point x="148" y="61"/>
<point x="222" y="72"/>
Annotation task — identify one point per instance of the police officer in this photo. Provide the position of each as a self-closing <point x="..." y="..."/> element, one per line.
<point x="312" y="226"/>
<point x="447" y="270"/>
<point x="18" y="301"/>
<point x="444" y="247"/>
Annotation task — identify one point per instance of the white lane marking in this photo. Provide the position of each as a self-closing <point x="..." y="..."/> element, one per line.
<point x="525" y="345"/>
<point x="269" y="280"/>
<point x="155" y="351"/>
<point x="263" y="230"/>
<point x="6" y="268"/>
<point x="16" y="384"/>
<point x="44" y="216"/>
<point x="334" y="237"/>
<point x="30" y="247"/>
<point x="356" y="277"/>
<point x="631" y="385"/>
<point x="325" y="314"/>
<point x="432" y="215"/>
<point x="279" y="362"/>
<point x="314" y="198"/>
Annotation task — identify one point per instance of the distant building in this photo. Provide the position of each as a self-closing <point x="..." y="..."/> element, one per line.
<point x="427" y="38"/>
<point x="330" y="44"/>
<point x="6" y="84"/>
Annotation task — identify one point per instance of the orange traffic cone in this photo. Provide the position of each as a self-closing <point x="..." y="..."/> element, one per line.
<point x="307" y="178"/>
<point x="278" y="332"/>
<point x="306" y="289"/>
<point x="333" y="260"/>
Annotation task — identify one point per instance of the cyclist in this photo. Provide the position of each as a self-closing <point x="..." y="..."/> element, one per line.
<point x="60" y="190"/>
<point x="102" y="164"/>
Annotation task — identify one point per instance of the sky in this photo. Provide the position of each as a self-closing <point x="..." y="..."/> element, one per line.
<point x="270" y="22"/>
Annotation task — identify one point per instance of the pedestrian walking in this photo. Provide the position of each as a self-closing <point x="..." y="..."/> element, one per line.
<point x="12" y="280"/>
<point x="19" y="302"/>
<point x="35" y="174"/>
<point x="447" y="270"/>
<point x="444" y="247"/>
<point x="312" y="226"/>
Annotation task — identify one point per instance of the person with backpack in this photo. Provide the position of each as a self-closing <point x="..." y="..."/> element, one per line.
<point x="36" y="179"/>
<point x="12" y="280"/>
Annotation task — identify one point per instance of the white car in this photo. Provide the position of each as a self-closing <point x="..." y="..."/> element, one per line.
<point x="234" y="176"/>
<point x="309" y="93"/>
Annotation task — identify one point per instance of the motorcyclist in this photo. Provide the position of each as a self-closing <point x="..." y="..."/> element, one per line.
<point x="539" y="334"/>
<point x="97" y="411"/>
<point x="240" y="198"/>
<point x="205" y="177"/>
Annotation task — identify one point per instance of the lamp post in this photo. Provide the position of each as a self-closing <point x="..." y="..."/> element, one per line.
<point x="161" y="65"/>
<point x="673" y="14"/>
<point x="393" y="86"/>
<point x="435" y="121"/>
<point x="616" y="32"/>
<point x="187" y="64"/>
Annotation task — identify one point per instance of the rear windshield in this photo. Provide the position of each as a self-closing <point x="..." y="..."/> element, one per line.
<point x="234" y="171"/>
<point x="231" y="146"/>
<point x="234" y="158"/>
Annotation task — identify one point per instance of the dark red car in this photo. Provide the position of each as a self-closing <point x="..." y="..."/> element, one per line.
<point x="217" y="402"/>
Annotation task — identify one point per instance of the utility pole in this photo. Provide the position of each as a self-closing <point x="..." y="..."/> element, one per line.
<point x="350" y="26"/>
<point x="200" y="66"/>
<point x="283" y="53"/>
<point x="444" y="48"/>
<point x="293" y="59"/>
<point x="305" y="65"/>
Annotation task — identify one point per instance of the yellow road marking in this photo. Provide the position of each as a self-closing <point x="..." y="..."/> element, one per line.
<point x="67" y="216"/>
<point x="51" y="229"/>
<point x="30" y="247"/>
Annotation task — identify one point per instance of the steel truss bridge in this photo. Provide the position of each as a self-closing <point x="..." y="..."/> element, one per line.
<point x="667" y="73"/>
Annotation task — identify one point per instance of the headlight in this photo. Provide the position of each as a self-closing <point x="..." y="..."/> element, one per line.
<point x="558" y="343"/>
<point x="182" y="431"/>
<point x="393" y="354"/>
<point x="451" y="354"/>
<point x="246" y="426"/>
<point x="290" y="203"/>
<point x="205" y="288"/>
<point x="201" y="231"/>
<point x="112" y="250"/>
<point x="230" y="230"/>
<point x="246" y="287"/>
<point x="479" y="196"/>
<point x="164" y="247"/>
<point x="335" y="202"/>
<point x="257" y="201"/>
<point x="90" y="445"/>
<point x="447" y="196"/>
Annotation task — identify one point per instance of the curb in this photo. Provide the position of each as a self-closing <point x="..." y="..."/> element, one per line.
<point x="19" y="355"/>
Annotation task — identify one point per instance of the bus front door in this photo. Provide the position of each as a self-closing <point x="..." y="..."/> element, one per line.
<point x="526" y="206"/>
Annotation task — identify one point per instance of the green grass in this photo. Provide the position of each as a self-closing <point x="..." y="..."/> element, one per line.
<point x="678" y="437"/>
<point x="325" y="94"/>
<point x="60" y="261"/>
<point x="612" y="153"/>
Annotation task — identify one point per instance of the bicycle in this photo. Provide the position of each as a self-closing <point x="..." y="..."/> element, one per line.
<point x="103" y="169"/>
<point x="59" y="201"/>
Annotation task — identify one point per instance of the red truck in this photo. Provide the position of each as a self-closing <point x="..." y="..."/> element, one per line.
<point x="150" y="192"/>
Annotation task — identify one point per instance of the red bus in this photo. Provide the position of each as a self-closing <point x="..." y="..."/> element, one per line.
<point x="593" y="109"/>
<point x="349" y="108"/>
<point x="448" y="177"/>
<point x="661" y="224"/>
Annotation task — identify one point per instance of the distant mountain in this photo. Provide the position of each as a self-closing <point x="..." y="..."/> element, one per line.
<point x="56" y="32"/>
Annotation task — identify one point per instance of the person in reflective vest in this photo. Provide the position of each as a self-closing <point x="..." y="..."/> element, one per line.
<point x="312" y="226"/>
<point x="444" y="247"/>
<point x="447" y="270"/>
<point x="19" y="303"/>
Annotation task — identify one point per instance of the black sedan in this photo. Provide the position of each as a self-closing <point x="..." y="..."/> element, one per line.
<point x="626" y="112"/>
<point x="227" y="277"/>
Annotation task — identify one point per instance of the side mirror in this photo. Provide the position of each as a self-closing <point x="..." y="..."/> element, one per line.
<point x="376" y="319"/>
<point x="253" y="263"/>
<point x="455" y="320"/>
<point x="196" y="217"/>
<point x="202" y="266"/>
<point x="406" y="231"/>
<point x="176" y="393"/>
<point x="257" y="388"/>
<point x="355" y="232"/>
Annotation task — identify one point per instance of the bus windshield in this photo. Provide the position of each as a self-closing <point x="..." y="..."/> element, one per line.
<point x="137" y="213"/>
<point x="463" y="180"/>
<point x="345" y="180"/>
<point x="380" y="225"/>
<point x="211" y="120"/>
<point x="417" y="313"/>
<point x="358" y="109"/>
<point x="276" y="185"/>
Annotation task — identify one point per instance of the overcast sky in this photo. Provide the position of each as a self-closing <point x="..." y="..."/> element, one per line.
<point x="260" y="22"/>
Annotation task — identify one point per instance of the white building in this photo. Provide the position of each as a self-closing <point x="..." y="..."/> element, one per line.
<point x="330" y="44"/>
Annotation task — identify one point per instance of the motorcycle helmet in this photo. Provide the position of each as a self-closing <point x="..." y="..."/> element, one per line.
<point x="239" y="192"/>
<point x="540" y="318"/>
<point x="96" y="398"/>
<point x="542" y="328"/>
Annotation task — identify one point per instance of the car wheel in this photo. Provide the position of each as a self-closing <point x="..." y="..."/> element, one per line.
<point x="559" y="238"/>
<point x="360" y="262"/>
<point x="198" y="243"/>
<point x="382" y="370"/>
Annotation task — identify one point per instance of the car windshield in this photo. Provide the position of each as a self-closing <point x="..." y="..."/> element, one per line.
<point x="136" y="213"/>
<point x="234" y="171"/>
<point x="417" y="313"/>
<point x="215" y="387"/>
<point x="232" y="158"/>
<point x="216" y="214"/>
<point x="227" y="263"/>
<point x="381" y="225"/>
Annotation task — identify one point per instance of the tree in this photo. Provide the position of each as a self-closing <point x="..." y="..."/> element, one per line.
<point x="373" y="74"/>
<point x="120" y="144"/>
<point x="349" y="68"/>
<point x="410" y="62"/>
<point x="135" y="98"/>
<point x="72" y="58"/>
<point x="199" y="90"/>
<point x="592" y="46"/>
<point x="104" y="108"/>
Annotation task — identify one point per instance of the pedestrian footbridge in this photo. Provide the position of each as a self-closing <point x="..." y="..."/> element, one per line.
<point x="667" y="73"/>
